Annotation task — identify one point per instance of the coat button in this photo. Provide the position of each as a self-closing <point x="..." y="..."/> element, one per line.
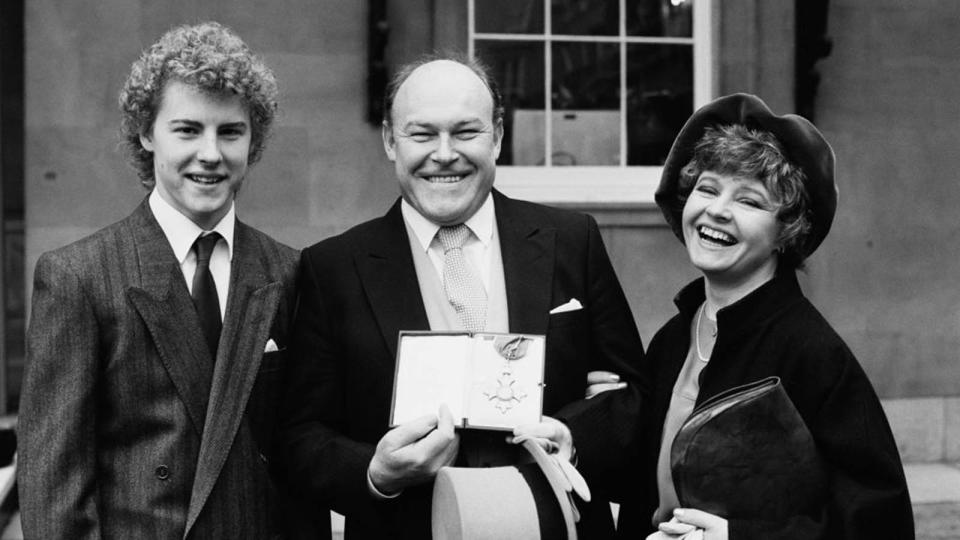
<point x="162" y="472"/>
<point x="263" y="458"/>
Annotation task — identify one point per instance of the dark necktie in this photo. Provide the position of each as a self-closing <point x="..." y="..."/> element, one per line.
<point x="464" y="289"/>
<point x="204" y="293"/>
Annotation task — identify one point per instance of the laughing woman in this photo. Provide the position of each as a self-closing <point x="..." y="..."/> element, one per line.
<point x="751" y="195"/>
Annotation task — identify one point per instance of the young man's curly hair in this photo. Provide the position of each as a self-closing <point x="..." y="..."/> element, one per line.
<point x="208" y="56"/>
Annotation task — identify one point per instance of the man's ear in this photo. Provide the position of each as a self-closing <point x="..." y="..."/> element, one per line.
<point x="389" y="141"/>
<point x="498" y="138"/>
<point x="146" y="142"/>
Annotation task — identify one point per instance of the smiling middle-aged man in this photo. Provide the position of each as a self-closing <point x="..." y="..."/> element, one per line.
<point x="148" y="402"/>
<point x="521" y="261"/>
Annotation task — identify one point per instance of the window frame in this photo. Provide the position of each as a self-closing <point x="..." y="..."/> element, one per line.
<point x="612" y="184"/>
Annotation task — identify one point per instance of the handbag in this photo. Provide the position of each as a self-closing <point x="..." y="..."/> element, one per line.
<point x="747" y="454"/>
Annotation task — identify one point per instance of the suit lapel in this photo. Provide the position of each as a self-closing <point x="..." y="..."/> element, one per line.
<point x="389" y="279"/>
<point x="528" y="252"/>
<point x="251" y="307"/>
<point x="164" y="304"/>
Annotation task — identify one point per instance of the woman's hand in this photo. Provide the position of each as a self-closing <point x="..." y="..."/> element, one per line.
<point x="660" y="535"/>
<point x="602" y="381"/>
<point x="714" y="527"/>
<point x="675" y="530"/>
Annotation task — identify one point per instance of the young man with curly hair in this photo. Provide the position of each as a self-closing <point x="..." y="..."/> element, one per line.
<point x="155" y="344"/>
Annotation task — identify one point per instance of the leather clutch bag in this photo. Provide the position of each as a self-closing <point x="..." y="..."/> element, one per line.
<point x="747" y="454"/>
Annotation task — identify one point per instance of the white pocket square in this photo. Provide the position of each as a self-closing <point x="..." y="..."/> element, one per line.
<point x="572" y="305"/>
<point x="271" y="346"/>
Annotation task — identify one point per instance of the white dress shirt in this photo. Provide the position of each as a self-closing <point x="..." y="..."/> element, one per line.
<point x="476" y="249"/>
<point x="181" y="233"/>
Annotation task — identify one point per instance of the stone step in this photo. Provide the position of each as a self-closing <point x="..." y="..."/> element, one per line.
<point x="935" y="493"/>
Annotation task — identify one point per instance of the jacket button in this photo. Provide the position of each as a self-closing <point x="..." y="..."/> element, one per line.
<point x="162" y="472"/>
<point x="263" y="458"/>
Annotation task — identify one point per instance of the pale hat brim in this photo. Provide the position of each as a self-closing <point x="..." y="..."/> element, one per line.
<point x="524" y="501"/>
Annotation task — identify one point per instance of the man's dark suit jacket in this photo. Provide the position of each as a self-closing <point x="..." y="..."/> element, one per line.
<point x="359" y="289"/>
<point x="128" y="427"/>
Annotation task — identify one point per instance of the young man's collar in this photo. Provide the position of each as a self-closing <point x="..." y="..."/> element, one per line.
<point x="181" y="231"/>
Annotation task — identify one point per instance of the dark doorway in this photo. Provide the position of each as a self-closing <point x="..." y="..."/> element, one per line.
<point x="12" y="284"/>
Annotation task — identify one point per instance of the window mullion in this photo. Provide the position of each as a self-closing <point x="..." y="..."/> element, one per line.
<point x="581" y="38"/>
<point x="471" y="31"/>
<point x="547" y="85"/>
<point x="703" y="72"/>
<point x="623" y="82"/>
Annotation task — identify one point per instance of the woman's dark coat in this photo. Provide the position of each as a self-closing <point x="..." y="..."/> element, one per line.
<point x="775" y="330"/>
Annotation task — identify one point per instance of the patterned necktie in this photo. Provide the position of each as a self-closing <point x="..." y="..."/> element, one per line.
<point x="204" y="293"/>
<point x="464" y="289"/>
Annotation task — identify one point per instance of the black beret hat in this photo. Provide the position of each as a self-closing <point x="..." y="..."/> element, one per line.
<point x="802" y="141"/>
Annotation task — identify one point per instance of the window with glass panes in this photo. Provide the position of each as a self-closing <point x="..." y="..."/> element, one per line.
<point x="595" y="90"/>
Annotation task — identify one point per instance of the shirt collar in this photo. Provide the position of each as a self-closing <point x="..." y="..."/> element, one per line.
<point x="760" y="306"/>
<point x="480" y="223"/>
<point x="181" y="232"/>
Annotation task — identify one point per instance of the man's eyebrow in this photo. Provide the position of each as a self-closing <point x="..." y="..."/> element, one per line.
<point x="431" y="125"/>
<point x="194" y="123"/>
<point x="183" y="121"/>
<point x="469" y="122"/>
<point x="416" y="124"/>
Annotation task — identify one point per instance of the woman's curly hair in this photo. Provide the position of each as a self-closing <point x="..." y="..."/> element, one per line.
<point x="210" y="57"/>
<point x="745" y="152"/>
